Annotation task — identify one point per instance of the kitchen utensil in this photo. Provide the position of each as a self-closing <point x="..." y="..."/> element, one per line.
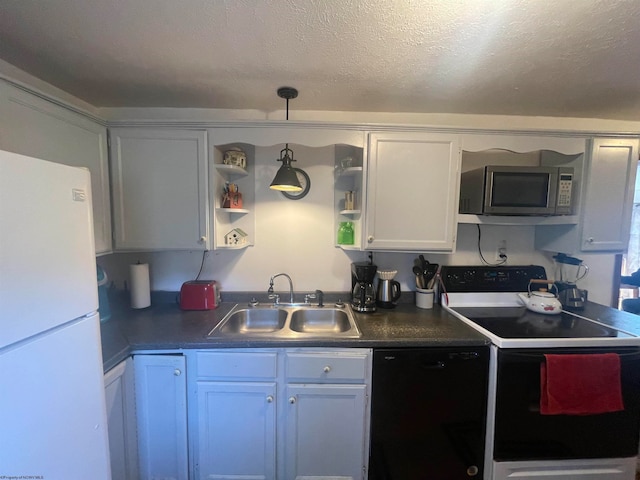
<point x="418" y="272"/>
<point x="363" y="295"/>
<point x="387" y="274"/>
<point x="572" y="298"/>
<point x="424" y="297"/>
<point x="569" y="269"/>
<point x="430" y="274"/>
<point x="388" y="289"/>
<point x="541" y="301"/>
<point x="199" y="295"/>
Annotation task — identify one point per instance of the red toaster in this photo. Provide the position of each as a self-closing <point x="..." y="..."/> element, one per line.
<point x="199" y="295"/>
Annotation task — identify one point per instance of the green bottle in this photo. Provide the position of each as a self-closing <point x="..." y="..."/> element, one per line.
<point x="345" y="233"/>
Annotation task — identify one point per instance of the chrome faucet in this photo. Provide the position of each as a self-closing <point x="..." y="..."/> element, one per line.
<point x="270" y="290"/>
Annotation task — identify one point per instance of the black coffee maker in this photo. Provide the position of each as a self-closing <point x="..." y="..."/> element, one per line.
<point x="363" y="296"/>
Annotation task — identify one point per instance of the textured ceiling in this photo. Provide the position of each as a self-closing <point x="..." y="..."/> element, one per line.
<point x="573" y="58"/>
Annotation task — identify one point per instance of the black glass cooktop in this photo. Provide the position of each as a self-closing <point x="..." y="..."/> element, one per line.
<point x="518" y="322"/>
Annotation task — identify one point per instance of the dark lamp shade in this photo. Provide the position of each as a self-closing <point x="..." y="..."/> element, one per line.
<point x="286" y="180"/>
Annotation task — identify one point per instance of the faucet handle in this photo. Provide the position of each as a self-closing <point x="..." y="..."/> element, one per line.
<point x="253" y="302"/>
<point x="275" y="297"/>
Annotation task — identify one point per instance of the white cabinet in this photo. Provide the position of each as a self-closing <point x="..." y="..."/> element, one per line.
<point x="280" y="413"/>
<point x="160" y="189"/>
<point x="326" y="419"/>
<point x="233" y="421"/>
<point x="412" y="192"/>
<point x="161" y="405"/>
<point x="121" y="417"/>
<point x="609" y="194"/>
<point x="607" y="199"/>
<point x="236" y="430"/>
<point x="325" y="431"/>
<point x="33" y="126"/>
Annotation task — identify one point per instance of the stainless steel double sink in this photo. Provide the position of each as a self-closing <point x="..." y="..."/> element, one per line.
<point x="295" y="321"/>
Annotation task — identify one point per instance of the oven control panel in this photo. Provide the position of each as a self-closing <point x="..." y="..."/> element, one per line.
<point x="480" y="278"/>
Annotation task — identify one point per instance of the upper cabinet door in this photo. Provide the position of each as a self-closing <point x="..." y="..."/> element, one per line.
<point x="160" y="193"/>
<point x="412" y="192"/>
<point x="609" y="194"/>
<point x="33" y="126"/>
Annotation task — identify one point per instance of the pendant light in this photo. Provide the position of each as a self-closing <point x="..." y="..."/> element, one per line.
<point x="286" y="179"/>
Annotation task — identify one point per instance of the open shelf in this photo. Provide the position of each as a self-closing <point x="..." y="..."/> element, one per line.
<point x="519" y="220"/>
<point x="231" y="169"/>
<point x="349" y="172"/>
<point x="241" y="211"/>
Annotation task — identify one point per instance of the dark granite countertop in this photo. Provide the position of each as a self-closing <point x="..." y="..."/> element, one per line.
<point x="163" y="326"/>
<point x="625" y="321"/>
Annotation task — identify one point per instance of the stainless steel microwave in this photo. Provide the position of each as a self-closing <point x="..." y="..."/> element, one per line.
<point x="511" y="190"/>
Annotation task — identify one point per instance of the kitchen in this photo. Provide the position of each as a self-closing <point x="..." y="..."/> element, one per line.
<point x="303" y="245"/>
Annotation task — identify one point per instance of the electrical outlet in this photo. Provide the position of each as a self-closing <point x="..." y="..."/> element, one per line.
<point x="501" y="251"/>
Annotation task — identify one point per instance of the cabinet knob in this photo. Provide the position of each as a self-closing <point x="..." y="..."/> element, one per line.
<point x="177" y="372"/>
<point x="590" y="240"/>
<point x="292" y="400"/>
<point x="203" y="239"/>
<point x="370" y="239"/>
<point x="327" y="369"/>
<point x="269" y="398"/>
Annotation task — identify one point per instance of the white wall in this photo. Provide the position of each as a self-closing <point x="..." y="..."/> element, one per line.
<point x="298" y="237"/>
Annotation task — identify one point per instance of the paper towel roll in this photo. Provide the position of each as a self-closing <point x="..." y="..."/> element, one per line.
<point x="139" y="280"/>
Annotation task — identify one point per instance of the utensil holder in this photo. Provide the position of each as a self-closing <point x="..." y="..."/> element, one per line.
<point x="424" y="297"/>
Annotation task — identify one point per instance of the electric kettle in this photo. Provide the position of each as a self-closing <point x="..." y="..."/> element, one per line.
<point x="388" y="289"/>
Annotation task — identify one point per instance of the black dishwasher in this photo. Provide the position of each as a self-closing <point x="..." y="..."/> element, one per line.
<point x="428" y="413"/>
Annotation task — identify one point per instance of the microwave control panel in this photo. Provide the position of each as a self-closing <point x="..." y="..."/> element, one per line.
<point x="563" y="198"/>
<point x="564" y="190"/>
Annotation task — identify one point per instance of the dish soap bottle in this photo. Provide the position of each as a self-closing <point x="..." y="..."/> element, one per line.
<point x="345" y="233"/>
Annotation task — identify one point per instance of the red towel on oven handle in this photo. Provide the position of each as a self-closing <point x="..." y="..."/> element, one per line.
<point x="580" y="384"/>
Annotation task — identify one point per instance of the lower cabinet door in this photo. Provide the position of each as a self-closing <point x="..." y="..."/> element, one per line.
<point x="325" y="432"/>
<point x="161" y="406"/>
<point x="120" y="401"/>
<point x="236" y="430"/>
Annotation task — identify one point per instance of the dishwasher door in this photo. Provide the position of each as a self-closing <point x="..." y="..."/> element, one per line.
<point x="428" y="413"/>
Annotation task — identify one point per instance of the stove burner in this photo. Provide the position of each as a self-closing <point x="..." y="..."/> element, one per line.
<point x="518" y="322"/>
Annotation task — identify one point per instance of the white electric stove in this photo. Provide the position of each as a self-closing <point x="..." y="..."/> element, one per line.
<point x="520" y="441"/>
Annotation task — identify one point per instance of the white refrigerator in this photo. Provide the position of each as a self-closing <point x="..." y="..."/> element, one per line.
<point x="53" y="421"/>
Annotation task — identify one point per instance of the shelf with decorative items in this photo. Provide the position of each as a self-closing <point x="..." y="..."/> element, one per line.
<point x="348" y="196"/>
<point x="233" y="195"/>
